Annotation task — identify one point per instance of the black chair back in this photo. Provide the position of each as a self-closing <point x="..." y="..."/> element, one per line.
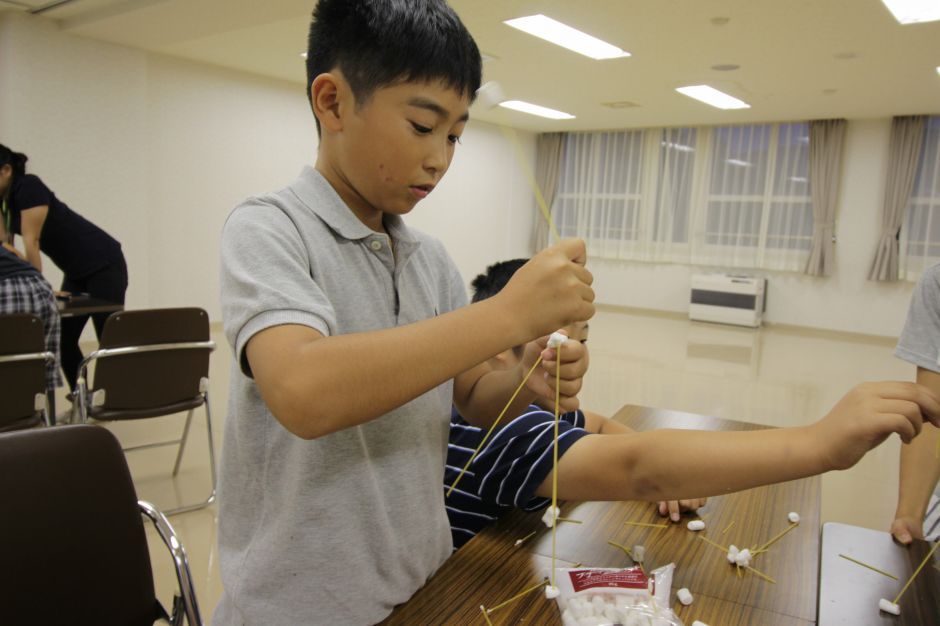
<point x="20" y="381"/>
<point x="73" y="541"/>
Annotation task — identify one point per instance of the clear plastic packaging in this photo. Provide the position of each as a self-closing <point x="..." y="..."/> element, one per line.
<point x="602" y="596"/>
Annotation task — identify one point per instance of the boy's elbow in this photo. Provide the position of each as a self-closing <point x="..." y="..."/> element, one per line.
<point x="291" y="407"/>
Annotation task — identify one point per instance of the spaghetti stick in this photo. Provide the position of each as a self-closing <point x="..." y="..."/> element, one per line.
<point x="917" y="571"/>
<point x="647" y="525"/>
<point x="728" y="527"/>
<point x="621" y="546"/>
<point x="516" y="597"/>
<point x="555" y="454"/>
<point x="712" y="543"/>
<point x="874" y="569"/>
<point x="764" y="576"/>
<point x="569" y="520"/>
<point x="764" y="547"/>
<point x="493" y="426"/>
<point x="510" y="134"/>
<point x="526" y="538"/>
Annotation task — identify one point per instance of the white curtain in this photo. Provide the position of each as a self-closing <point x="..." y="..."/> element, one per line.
<point x="548" y="150"/>
<point x="730" y="196"/>
<point x="825" y="163"/>
<point x="920" y="235"/>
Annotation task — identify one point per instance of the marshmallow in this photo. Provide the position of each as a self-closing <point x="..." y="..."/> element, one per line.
<point x="599" y="605"/>
<point x="696" y="525"/>
<point x="732" y="554"/>
<point x="698" y="623"/>
<point x="638" y="553"/>
<point x="794" y="518"/>
<point x="889" y="607"/>
<point x="556" y="339"/>
<point x="490" y="95"/>
<point x="550" y="515"/>
<point x="685" y="596"/>
<point x="743" y="559"/>
<point x="552" y="592"/>
<point x="568" y="618"/>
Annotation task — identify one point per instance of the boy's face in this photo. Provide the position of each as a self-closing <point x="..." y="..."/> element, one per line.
<point x="396" y="147"/>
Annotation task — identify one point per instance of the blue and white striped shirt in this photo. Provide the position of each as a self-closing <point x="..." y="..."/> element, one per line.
<point x="514" y="462"/>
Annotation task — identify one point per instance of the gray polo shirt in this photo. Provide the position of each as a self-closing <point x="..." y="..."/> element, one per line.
<point x="340" y="529"/>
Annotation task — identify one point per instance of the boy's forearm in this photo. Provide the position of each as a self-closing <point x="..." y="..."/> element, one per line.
<point x="920" y="470"/>
<point x="676" y="464"/>
<point x="315" y="387"/>
<point x="488" y="397"/>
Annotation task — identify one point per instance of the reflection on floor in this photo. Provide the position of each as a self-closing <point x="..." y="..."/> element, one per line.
<point x="771" y="376"/>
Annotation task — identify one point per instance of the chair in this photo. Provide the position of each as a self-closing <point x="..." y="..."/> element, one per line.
<point x="23" y="359"/>
<point x="74" y="546"/>
<point x="151" y="363"/>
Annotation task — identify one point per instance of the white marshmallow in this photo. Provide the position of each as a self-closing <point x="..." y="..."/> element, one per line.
<point x="638" y="553"/>
<point x="611" y="613"/>
<point x="794" y="517"/>
<point x="744" y="558"/>
<point x="698" y="623"/>
<point x="599" y="605"/>
<point x="732" y="554"/>
<point x="550" y="515"/>
<point x="556" y="339"/>
<point x="696" y="525"/>
<point x="685" y="596"/>
<point x="568" y="618"/>
<point x="490" y="95"/>
<point x="552" y="592"/>
<point x="889" y="607"/>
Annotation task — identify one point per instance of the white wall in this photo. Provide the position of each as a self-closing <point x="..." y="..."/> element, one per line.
<point x="157" y="151"/>
<point x="844" y="301"/>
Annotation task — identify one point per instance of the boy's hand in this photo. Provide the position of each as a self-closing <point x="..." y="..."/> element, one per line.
<point x="675" y="508"/>
<point x="552" y="290"/>
<point x="574" y="364"/>
<point x="869" y="414"/>
<point x="906" y="529"/>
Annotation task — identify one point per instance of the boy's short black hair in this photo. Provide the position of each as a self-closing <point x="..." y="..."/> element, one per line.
<point x="492" y="281"/>
<point x="381" y="42"/>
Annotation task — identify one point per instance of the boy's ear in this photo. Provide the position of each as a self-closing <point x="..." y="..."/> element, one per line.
<point x="326" y="96"/>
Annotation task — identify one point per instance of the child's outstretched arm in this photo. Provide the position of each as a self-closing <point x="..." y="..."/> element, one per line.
<point x="315" y="385"/>
<point x="920" y="470"/>
<point x="671" y="464"/>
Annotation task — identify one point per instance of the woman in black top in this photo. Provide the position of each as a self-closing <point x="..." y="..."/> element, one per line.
<point x="90" y="258"/>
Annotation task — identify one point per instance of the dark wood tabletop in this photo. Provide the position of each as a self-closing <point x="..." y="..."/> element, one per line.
<point x="849" y="592"/>
<point x="80" y="305"/>
<point x="490" y="568"/>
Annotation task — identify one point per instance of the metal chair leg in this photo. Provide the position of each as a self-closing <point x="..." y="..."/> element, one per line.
<point x="212" y="468"/>
<point x="182" y="446"/>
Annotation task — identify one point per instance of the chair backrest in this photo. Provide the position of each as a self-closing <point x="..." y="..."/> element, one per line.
<point x="141" y="381"/>
<point x="20" y="381"/>
<point x="73" y="542"/>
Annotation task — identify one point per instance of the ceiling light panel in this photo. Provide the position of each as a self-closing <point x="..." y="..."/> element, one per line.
<point x="567" y="37"/>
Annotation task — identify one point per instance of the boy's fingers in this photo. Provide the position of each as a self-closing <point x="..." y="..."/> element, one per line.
<point x="674" y="513"/>
<point x="910" y="410"/>
<point x="903" y="427"/>
<point x="574" y="249"/>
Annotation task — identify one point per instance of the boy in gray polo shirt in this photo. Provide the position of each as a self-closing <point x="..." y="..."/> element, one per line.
<point x="352" y="335"/>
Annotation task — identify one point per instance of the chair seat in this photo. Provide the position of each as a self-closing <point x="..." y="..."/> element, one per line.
<point x="106" y="414"/>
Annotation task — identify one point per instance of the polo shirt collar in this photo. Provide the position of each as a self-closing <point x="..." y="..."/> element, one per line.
<point x="318" y="195"/>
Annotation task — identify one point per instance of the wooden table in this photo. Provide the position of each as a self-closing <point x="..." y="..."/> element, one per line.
<point x="490" y="569"/>
<point x="849" y="593"/>
<point x="80" y="305"/>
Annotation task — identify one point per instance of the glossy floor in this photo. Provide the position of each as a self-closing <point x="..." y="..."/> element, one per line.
<point x="771" y="376"/>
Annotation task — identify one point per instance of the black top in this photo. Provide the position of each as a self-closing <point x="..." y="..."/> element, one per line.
<point x="12" y="265"/>
<point x="74" y="244"/>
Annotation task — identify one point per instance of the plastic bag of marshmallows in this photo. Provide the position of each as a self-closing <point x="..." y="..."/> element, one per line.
<point x="595" y="596"/>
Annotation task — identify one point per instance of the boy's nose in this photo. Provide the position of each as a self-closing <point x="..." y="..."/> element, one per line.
<point x="437" y="161"/>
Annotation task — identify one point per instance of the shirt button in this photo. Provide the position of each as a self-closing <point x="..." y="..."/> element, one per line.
<point x="376" y="245"/>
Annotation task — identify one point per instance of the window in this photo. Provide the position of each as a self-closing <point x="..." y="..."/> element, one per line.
<point x="920" y="232"/>
<point x="731" y="196"/>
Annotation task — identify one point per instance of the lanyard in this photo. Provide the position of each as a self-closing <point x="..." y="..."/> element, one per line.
<point x="7" y="221"/>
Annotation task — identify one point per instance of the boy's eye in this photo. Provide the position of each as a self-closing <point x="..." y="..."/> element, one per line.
<point x="453" y="138"/>
<point x="584" y="341"/>
<point x="423" y="130"/>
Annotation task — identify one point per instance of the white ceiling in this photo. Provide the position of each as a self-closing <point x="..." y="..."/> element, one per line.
<point x="791" y="53"/>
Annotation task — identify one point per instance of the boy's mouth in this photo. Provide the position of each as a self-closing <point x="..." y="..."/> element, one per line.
<point x="421" y="191"/>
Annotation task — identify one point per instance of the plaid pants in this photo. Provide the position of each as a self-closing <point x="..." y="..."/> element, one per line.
<point x="29" y="293"/>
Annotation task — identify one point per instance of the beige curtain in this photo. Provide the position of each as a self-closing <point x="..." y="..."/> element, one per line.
<point x="826" y="138"/>
<point x="907" y="138"/>
<point x="548" y="150"/>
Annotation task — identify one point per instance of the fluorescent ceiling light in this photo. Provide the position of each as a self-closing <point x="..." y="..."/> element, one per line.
<point x="303" y="55"/>
<point x="799" y="179"/>
<point x="678" y="146"/>
<point x="534" y="109"/>
<point x="563" y="35"/>
<point x="938" y="69"/>
<point x="710" y="95"/>
<point x="738" y="162"/>
<point x="914" y="11"/>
